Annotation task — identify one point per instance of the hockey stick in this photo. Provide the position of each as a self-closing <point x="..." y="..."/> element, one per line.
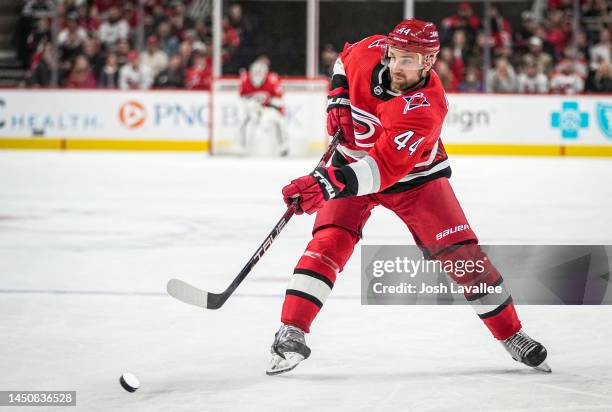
<point x="187" y="293"/>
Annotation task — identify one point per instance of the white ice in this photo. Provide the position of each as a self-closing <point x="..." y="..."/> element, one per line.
<point x="88" y="241"/>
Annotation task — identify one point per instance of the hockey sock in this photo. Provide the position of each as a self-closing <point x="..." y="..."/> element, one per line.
<point x="496" y="309"/>
<point x="315" y="274"/>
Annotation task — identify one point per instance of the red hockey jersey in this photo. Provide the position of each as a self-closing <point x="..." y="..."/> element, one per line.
<point x="397" y="136"/>
<point x="270" y="92"/>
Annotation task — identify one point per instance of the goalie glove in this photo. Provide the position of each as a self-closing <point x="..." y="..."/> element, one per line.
<point x="339" y="115"/>
<point x="313" y="190"/>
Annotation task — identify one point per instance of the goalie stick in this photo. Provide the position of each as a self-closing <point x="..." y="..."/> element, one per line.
<point x="192" y="295"/>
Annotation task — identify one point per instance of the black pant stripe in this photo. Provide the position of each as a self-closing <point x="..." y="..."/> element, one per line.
<point x="315" y="275"/>
<point x="477" y="296"/>
<point x="305" y="296"/>
<point x="496" y="310"/>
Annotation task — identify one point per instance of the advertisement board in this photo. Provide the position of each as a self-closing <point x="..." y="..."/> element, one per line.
<point x="529" y="119"/>
<point x="189" y="120"/>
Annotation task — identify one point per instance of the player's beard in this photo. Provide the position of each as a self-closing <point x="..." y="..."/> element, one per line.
<point x="400" y="84"/>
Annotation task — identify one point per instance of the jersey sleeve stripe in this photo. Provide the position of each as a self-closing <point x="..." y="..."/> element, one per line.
<point x="432" y="156"/>
<point x="442" y="165"/>
<point x="368" y="175"/>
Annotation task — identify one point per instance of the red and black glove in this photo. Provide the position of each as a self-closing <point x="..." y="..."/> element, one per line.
<point x="339" y="115"/>
<point x="311" y="191"/>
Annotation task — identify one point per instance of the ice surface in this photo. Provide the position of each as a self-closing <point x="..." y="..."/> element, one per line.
<point x="88" y="241"/>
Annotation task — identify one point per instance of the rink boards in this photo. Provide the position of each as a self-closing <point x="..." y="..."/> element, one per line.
<point x="209" y="121"/>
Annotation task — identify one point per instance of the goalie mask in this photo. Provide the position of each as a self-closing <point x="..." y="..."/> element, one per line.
<point x="258" y="72"/>
<point x="419" y="42"/>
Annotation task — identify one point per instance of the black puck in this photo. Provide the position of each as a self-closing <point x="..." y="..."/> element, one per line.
<point x="129" y="382"/>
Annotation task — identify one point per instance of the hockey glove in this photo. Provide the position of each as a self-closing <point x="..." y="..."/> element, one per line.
<point x="339" y="115"/>
<point x="311" y="191"/>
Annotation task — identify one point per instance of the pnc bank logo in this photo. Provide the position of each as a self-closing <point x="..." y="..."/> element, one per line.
<point x="132" y="114"/>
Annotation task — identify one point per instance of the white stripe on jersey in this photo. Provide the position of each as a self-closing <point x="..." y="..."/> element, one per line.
<point x="368" y="176"/>
<point x="436" y="168"/>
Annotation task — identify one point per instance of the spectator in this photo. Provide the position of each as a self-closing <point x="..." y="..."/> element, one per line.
<point x="600" y="81"/>
<point x="500" y="29"/>
<point x="460" y="53"/>
<point x="230" y="41"/>
<point x="528" y="29"/>
<point x="42" y="72"/>
<point x="601" y="51"/>
<point x="446" y="76"/>
<point x="109" y="76"/>
<point x="239" y="23"/>
<point x="455" y="65"/>
<point x="566" y="80"/>
<point x="179" y="21"/>
<point x="547" y="47"/>
<point x="72" y="30"/>
<point x="557" y="33"/>
<point x="185" y="50"/>
<point x="199" y="75"/>
<point x="153" y="57"/>
<point x="42" y="33"/>
<point x="328" y="60"/>
<point x="471" y="84"/>
<point x="105" y="5"/>
<point x="173" y="76"/>
<point x="72" y="47"/>
<point x="122" y="50"/>
<point x="149" y="25"/>
<point x="532" y="80"/>
<point x="168" y="42"/>
<point x="133" y="75"/>
<point x="130" y="15"/>
<point x="502" y="79"/>
<point x="91" y="50"/>
<point x="572" y="57"/>
<point x="537" y="56"/>
<point x="202" y="31"/>
<point x="88" y="17"/>
<point x="114" y="28"/>
<point x="81" y="76"/>
<point x="464" y="20"/>
<point x="159" y="14"/>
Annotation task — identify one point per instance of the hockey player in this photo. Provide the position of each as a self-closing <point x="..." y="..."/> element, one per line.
<point x="390" y="106"/>
<point x="262" y="95"/>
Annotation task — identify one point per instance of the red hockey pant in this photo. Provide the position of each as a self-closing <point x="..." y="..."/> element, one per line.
<point x="437" y="223"/>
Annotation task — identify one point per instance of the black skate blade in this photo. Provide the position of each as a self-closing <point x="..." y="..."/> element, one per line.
<point x="274" y="373"/>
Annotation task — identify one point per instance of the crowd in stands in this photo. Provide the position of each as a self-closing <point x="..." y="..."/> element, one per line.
<point x="541" y="56"/>
<point x="98" y="42"/>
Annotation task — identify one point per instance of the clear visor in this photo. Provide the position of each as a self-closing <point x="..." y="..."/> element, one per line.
<point x="401" y="60"/>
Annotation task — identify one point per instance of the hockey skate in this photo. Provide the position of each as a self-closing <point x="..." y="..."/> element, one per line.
<point x="288" y="350"/>
<point x="526" y="350"/>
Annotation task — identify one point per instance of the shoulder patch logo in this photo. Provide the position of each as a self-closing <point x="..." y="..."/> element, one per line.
<point x="414" y="101"/>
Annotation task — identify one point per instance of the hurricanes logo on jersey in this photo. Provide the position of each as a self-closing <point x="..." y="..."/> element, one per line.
<point x="367" y="127"/>
<point x="414" y="101"/>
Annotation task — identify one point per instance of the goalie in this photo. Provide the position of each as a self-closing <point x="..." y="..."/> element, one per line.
<point x="263" y="129"/>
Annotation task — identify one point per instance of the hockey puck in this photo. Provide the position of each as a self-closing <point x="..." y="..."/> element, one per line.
<point x="129" y="382"/>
